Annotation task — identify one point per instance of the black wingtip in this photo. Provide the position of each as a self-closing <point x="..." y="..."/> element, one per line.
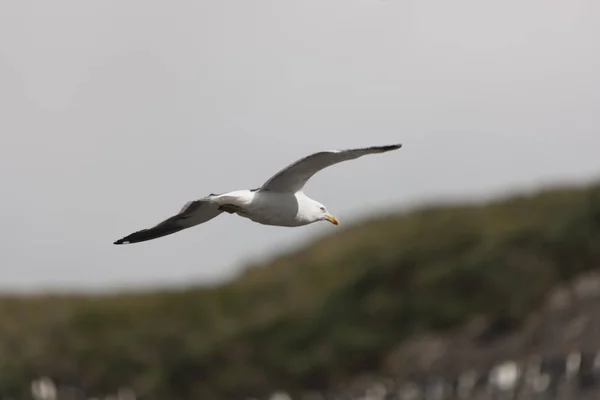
<point x="160" y="230"/>
<point x="390" y="147"/>
<point x="127" y="239"/>
<point x="133" y="238"/>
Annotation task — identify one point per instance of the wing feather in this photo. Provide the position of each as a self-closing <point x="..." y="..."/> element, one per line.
<point x="193" y="213"/>
<point x="293" y="177"/>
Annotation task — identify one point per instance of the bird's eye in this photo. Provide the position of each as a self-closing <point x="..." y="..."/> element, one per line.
<point x="323" y="209"/>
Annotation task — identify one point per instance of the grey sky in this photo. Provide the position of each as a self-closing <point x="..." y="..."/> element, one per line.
<point x="113" y="114"/>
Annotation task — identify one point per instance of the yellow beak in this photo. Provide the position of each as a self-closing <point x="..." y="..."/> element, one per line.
<point x="332" y="219"/>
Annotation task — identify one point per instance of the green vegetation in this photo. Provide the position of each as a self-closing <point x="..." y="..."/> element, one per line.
<point x="316" y="317"/>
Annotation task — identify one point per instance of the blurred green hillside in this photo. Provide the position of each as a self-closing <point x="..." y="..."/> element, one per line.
<point x="317" y="317"/>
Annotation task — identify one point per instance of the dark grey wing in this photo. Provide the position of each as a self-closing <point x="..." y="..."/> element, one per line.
<point x="193" y="213"/>
<point x="293" y="177"/>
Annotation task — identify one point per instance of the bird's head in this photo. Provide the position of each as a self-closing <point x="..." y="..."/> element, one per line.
<point x="320" y="213"/>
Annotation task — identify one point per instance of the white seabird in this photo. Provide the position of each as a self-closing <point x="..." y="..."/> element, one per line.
<point x="280" y="201"/>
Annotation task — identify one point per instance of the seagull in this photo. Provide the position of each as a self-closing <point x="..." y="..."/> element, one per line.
<point x="280" y="201"/>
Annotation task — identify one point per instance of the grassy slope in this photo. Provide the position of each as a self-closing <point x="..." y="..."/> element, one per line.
<point x="316" y="317"/>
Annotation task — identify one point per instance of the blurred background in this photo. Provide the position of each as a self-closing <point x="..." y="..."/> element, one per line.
<point x="465" y="265"/>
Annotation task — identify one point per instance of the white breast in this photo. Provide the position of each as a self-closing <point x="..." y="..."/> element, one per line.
<point x="279" y="209"/>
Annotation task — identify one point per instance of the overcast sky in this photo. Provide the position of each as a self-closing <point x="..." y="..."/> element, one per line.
<point x="113" y="114"/>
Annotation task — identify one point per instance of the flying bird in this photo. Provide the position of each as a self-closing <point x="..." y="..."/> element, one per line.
<point x="280" y="201"/>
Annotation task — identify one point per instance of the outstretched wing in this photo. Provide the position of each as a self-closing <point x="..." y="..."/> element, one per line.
<point x="293" y="177"/>
<point x="193" y="213"/>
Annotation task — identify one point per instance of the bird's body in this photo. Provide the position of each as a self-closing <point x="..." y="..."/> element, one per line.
<point x="281" y="201"/>
<point x="267" y="208"/>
